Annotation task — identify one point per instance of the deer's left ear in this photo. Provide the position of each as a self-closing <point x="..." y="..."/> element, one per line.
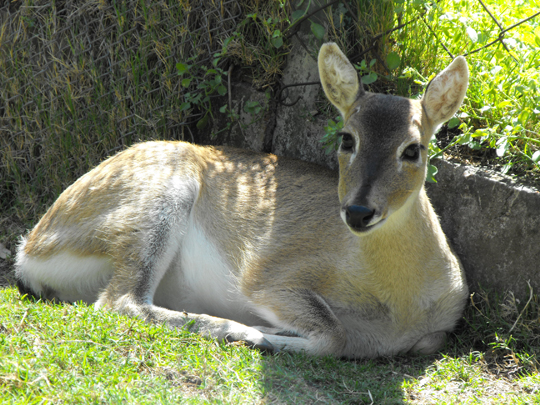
<point x="446" y="91"/>
<point x="338" y="77"/>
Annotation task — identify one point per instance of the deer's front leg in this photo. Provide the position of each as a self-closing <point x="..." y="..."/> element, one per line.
<point x="302" y="320"/>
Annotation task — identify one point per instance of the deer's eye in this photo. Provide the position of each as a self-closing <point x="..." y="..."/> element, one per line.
<point x="412" y="152"/>
<point x="347" y="142"/>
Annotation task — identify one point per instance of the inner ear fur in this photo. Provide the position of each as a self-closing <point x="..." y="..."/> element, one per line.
<point x="338" y="77"/>
<point x="446" y="91"/>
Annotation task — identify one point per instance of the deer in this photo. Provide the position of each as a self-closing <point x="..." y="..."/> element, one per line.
<point x="279" y="254"/>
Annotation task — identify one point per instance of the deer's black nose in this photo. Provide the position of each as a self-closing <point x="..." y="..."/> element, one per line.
<point x="358" y="216"/>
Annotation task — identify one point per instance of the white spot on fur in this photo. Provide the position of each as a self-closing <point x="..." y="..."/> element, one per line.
<point x="205" y="269"/>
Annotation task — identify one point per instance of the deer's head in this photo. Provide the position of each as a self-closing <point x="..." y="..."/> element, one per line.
<point x="384" y="148"/>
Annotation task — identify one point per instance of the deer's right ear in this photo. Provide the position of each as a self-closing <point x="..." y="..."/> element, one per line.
<point x="338" y="77"/>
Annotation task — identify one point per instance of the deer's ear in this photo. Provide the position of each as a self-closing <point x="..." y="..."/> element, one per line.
<point x="446" y="91"/>
<point x="338" y="77"/>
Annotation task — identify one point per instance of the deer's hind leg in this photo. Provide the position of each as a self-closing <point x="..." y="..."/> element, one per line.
<point x="134" y="299"/>
<point x="141" y="259"/>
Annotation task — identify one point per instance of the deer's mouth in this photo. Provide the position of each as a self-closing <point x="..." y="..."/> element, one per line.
<point x="361" y="219"/>
<point x="366" y="229"/>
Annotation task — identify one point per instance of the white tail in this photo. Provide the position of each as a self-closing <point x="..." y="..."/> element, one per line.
<point x="281" y="254"/>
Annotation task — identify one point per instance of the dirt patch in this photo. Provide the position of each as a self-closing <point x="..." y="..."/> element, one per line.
<point x="10" y="232"/>
<point x="7" y="277"/>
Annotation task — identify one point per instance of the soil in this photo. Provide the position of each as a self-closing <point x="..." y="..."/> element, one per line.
<point x="10" y="231"/>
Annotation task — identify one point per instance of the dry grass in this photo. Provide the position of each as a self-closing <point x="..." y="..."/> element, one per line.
<point x="82" y="79"/>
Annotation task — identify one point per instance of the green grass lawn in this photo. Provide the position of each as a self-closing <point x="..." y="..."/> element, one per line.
<point x="52" y="353"/>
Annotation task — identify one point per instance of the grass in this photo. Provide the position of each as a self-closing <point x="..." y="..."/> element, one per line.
<point x="54" y="353"/>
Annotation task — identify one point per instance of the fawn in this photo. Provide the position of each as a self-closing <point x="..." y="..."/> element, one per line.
<point x="171" y="232"/>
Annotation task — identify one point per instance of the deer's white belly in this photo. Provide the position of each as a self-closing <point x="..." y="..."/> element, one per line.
<point x="200" y="280"/>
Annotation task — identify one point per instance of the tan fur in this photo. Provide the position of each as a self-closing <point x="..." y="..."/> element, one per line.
<point x="279" y="253"/>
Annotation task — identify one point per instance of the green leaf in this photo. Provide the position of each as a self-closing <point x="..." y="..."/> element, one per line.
<point x="182" y="68"/>
<point x="252" y="107"/>
<point x="185" y="106"/>
<point x="277" y="42"/>
<point x="502" y="147"/>
<point x="201" y="124"/>
<point x="296" y="15"/>
<point x="227" y="42"/>
<point x="475" y="145"/>
<point x="223" y="109"/>
<point x="479" y="133"/>
<point x="368" y="79"/>
<point x="222" y="90"/>
<point x="431" y="173"/>
<point x="393" y="60"/>
<point x="464" y="139"/>
<point x="485" y="108"/>
<point x="318" y="30"/>
<point x="473" y="35"/>
<point x="186" y="82"/>
<point x="507" y="167"/>
<point x="454" y="122"/>
<point x="523" y="117"/>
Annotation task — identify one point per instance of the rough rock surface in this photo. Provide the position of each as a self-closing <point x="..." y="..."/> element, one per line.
<point x="299" y="127"/>
<point x="492" y="223"/>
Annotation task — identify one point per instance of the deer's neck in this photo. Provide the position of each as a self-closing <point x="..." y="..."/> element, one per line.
<point x="406" y="250"/>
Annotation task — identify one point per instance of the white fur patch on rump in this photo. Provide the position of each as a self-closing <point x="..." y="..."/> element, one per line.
<point x="72" y="277"/>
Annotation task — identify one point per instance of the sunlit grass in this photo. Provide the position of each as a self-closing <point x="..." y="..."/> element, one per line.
<point x="54" y="353"/>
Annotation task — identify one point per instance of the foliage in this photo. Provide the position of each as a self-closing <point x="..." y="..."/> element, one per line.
<point x="260" y="45"/>
<point x="501" y="111"/>
<point x="331" y="138"/>
<point x="210" y="81"/>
